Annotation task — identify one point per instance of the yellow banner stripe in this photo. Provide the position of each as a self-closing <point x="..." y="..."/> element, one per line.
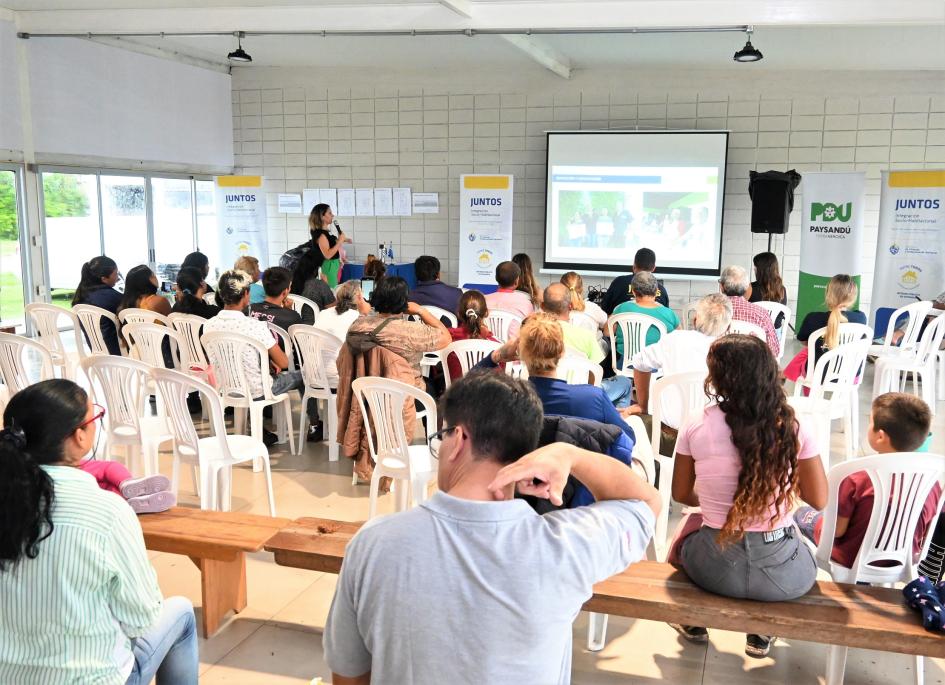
<point x="239" y="181"/>
<point x="486" y="182"/>
<point x="917" y="179"/>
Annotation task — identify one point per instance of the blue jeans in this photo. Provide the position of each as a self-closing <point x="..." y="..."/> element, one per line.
<point x="618" y="389"/>
<point x="169" y="648"/>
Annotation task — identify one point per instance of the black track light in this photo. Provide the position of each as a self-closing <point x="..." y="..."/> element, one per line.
<point x="749" y="53"/>
<point x="240" y="55"/>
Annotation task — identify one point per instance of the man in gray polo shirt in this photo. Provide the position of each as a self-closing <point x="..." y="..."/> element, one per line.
<point x="473" y="586"/>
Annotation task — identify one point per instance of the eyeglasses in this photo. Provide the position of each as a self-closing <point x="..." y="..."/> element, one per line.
<point x="98" y="412"/>
<point x="435" y="440"/>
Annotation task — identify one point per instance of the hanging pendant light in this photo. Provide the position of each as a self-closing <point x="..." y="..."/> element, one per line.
<point x="749" y="53"/>
<point x="240" y="55"/>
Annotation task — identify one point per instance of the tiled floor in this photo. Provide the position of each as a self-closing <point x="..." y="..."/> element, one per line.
<point x="277" y="639"/>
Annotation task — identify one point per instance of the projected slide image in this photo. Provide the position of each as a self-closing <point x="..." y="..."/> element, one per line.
<point x="593" y="219"/>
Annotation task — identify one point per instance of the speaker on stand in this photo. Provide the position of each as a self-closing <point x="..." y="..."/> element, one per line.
<point x="772" y="199"/>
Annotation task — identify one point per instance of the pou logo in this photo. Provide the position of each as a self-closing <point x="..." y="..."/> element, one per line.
<point x="917" y="204"/>
<point x="240" y="198"/>
<point x="830" y="212"/>
<point x="494" y="201"/>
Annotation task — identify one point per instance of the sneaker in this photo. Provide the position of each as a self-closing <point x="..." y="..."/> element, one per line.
<point x="269" y="438"/>
<point x="154" y="503"/>
<point x="695" y="634"/>
<point x="316" y="432"/>
<point x="140" y="487"/>
<point x="758" y="646"/>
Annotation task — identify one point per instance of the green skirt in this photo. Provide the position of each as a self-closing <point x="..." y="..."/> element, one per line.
<point x="331" y="269"/>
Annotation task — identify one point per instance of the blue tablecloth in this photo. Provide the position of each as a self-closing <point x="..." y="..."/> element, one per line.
<point x="405" y="271"/>
<point x="484" y="288"/>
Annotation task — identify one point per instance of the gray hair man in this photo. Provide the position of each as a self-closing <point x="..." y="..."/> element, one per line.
<point x="734" y="283"/>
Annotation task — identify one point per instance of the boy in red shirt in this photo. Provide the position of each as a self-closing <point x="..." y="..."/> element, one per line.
<point x="898" y="423"/>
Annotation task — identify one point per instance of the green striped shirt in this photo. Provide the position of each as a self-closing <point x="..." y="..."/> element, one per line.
<point x="68" y="615"/>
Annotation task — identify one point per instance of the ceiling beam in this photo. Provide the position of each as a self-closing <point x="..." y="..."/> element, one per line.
<point x="542" y="53"/>
<point x="462" y="7"/>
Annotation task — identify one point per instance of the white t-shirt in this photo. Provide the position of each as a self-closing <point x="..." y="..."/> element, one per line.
<point x="331" y="321"/>
<point x="236" y="322"/>
<point x="593" y="310"/>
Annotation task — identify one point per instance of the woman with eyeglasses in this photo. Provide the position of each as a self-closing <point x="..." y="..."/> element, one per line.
<point x="79" y="600"/>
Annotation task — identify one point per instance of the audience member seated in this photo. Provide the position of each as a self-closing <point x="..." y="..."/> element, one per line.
<point x="349" y="305"/>
<point x="527" y="282"/>
<point x="619" y="290"/>
<point x="199" y="261"/>
<point x="744" y="461"/>
<point x="768" y="286"/>
<point x="898" y="423"/>
<point x="507" y="298"/>
<point x="305" y="281"/>
<point x="471" y="314"/>
<point x="430" y="290"/>
<point x="645" y="287"/>
<point x="251" y="266"/>
<point x="276" y="308"/>
<point x="841" y="294"/>
<point x="681" y="351"/>
<point x="141" y="286"/>
<point x="374" y="268"/>
<point x="190" y="291"/>
<point x="233" y="290"/>
<point x="476" y="552"/>
<point x="575" y="285"/>
<point x="97" y="288"/>
<point x="81" y="602"/>
<point x="734" y="283"/>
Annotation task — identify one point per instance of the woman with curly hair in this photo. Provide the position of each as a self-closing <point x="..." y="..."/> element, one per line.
<point x="745" y="461"/>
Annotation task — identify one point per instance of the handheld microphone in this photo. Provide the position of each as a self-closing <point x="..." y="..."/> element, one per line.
<point x="337" y="227"/>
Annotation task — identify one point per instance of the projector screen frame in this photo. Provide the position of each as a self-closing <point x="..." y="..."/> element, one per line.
<point x="673" y="273"/>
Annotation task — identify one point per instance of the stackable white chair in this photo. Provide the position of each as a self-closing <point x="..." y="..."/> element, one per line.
<point x="123" y="383"/>
<point x="891" y="370"/>
<point x="213" y="456"/>
<point x="225" y="351"/>
<point x="432" y="359"/>
<point x="582" y="320"/>
<point x="776" y="310"/>
<point x="633" y="329"/>
<point x="137" y="315"/>
<point x="147" y="340"/>
<point x="282" y="335"/>
<point x="747" y="328"/>
<point x="317" y="352"/>
<point x="578" y="371"/>
<point x="23" y="362"/>
<point x="832" y="394"/>
<point x="915" y="314"/>
<point x="299" y="304"/>
<point x="501" y="323"/>
<point x="687" y="316"/>
<point x="191" y="350"/>
<point x="45" y="319"/>
<point x="469" y="353"/>
<point x="90" y="322"/>
<point x="901" y="482"/>
<point x="382" y="401"/>
<point x="441" y="313"/>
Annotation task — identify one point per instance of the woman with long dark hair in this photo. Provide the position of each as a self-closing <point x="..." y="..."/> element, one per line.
<point x="768" y="286"/>
<point x="80" y="599"/>
<point x="190" y="291"/>
<point x="526" y="282"/>
<point x="141" y="286"/>
<point x="97" y="288"/>
<point x="744" y="461"/>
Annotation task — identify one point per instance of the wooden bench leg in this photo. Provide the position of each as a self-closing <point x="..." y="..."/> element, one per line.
<point x="222" y="588"/>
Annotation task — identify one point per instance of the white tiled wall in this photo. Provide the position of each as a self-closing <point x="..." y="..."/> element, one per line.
<point x="304" y="136"/>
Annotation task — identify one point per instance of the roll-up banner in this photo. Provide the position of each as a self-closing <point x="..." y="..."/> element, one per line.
<point x="831" y="234"/>
<point x="910" y="249"/>
<point x="485" y="226"/>
<point x="241" y="218"/>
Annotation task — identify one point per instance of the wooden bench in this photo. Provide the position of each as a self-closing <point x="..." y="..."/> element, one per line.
<point x="831" y="613"/>
<point x="217" y="542"/>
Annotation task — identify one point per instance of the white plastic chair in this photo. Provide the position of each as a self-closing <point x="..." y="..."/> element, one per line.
<point x="299" y="304"/>
<point x="687" y="391"/>
<point x="213" y="456"/>
<point x="382" y="401"/>
<point x="832" y="394"/>
<point x="317" y="352"/>
<point x="189" y="326"/>
<point x="901" y="484"/>
<point x="891" y="370"/>
<point x="147" y="340"/>
<point x="285" y="340"/>
<point x="776" y="310"/>
<point x="90" y="322"/>
<point x="469" y="353"/>
<point x="687" y="316"/>
<point x="633" y="329"/>
<point x="580" y="371"/>
<point x="23" y="362"/>
<point x="915" y="314"/>
<point x="123" y="383"/>
<point x="45" y="318"/>
<point x="138" y="315"/>
<point x="225" y="351"/>
<point x="582" y="320"/>
<point x="441" y="313"/>
<point x="747" y="328"/>
<point x="501" y="324"/>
